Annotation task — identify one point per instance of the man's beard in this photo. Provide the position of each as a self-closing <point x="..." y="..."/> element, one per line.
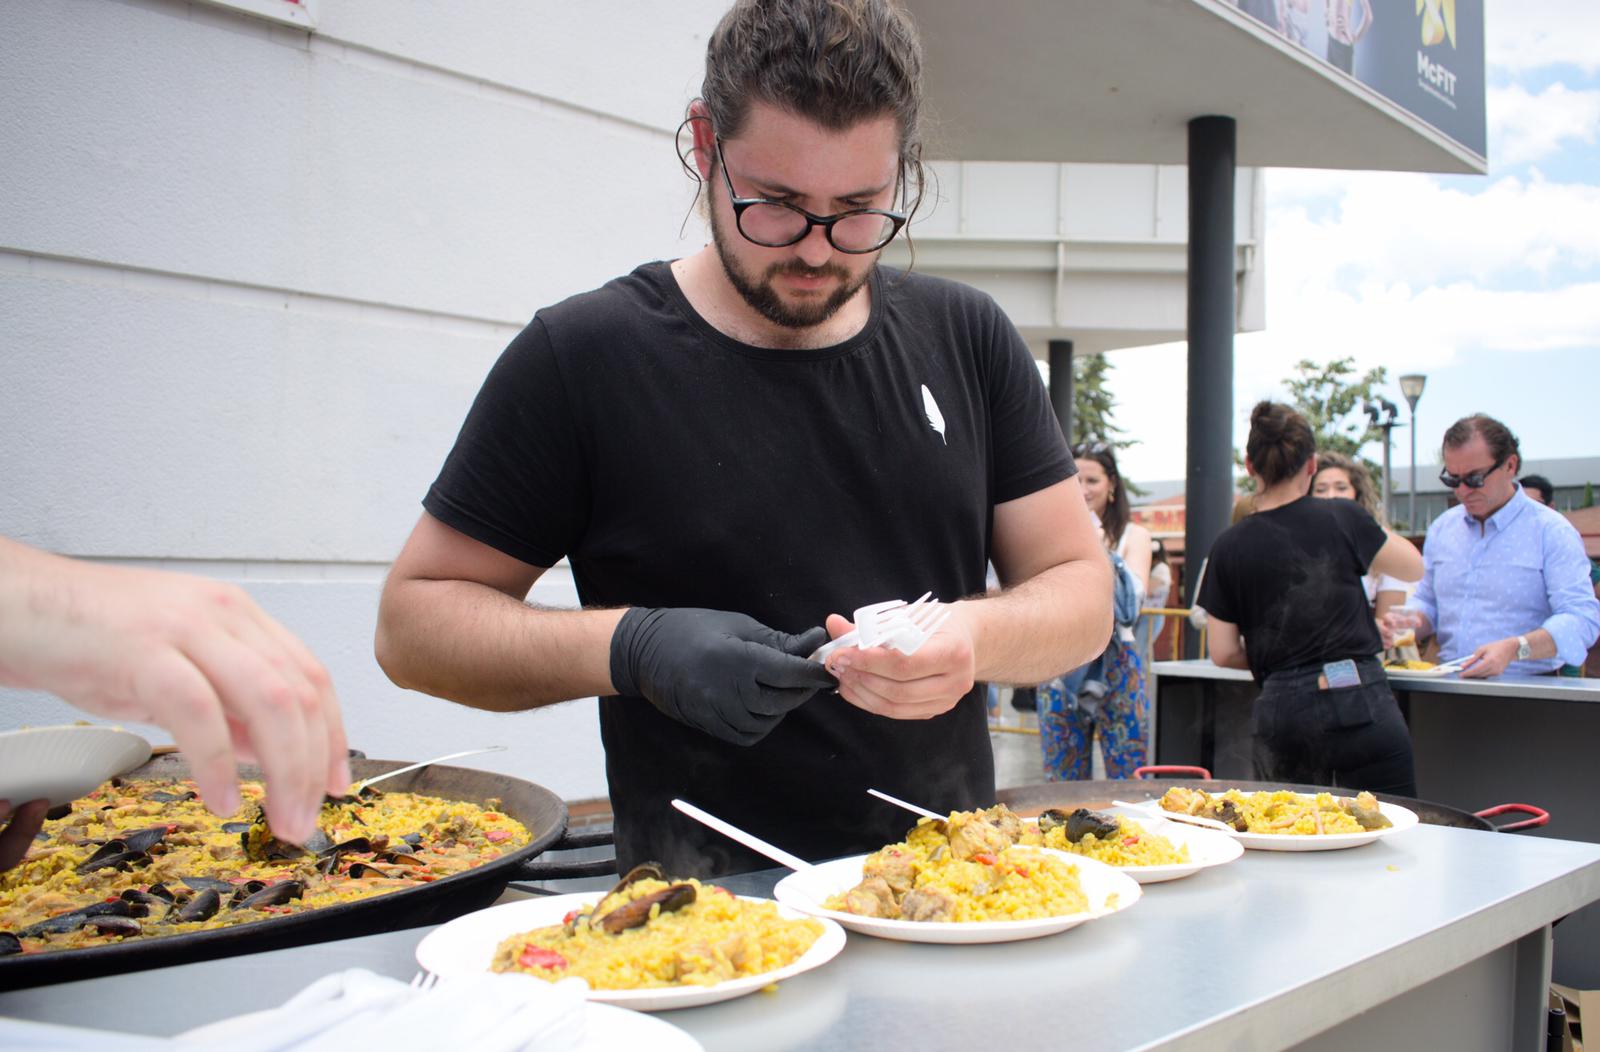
<point x="761" y="295"/>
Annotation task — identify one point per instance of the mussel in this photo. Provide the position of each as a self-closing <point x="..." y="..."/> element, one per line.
<point x="1228" y="813"/>
<point x="1051" y="818"/>
<point x="635" y="913"/>
<point x="161" y="796"/>
<point x="72" y="921"/>
<point x="1083" y="822"/>
<point x="9" y="944"/>
<point x="272" y="895"/>
<point x="202" y="906"/>
<point x="111" y="924"/>
<point x="204" y="884"/>
<point x="145" y="839"/>
<point x="114" y="854"/>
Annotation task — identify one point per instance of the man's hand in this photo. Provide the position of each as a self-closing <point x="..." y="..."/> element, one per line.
<point x="1490" y="659"/>
<point x="917" y="686"/>
<point x="723" y="673"/>
<point x="195" y="656"/>
<point x="17" y="835"/>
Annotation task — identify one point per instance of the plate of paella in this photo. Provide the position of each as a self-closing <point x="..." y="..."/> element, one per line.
<point x="60" y="764"/>
<point x="1149" y="850"/>
<point x="965" y="879"/>
<point x="1281" y="820"/>
<point x="649" y="944"/>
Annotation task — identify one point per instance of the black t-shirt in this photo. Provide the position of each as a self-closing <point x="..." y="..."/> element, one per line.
<point x="1290" y="578"/>
<point x="674" y="466"/>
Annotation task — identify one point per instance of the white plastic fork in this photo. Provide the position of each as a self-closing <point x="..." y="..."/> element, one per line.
<point x="424" y="980"/>
<point x="904" y="626"/>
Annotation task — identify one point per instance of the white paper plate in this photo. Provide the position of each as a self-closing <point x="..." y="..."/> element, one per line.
<point x="1421" y="673"/>
<point x="1403" y="818"/>
<point x="808" y="890"/>
<point x="60" y="764"/>
<point x="466" y="945"/>
<point x="1206" y="849"/>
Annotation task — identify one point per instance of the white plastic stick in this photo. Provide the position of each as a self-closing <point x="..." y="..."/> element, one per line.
<point x="913" y="808"/>
<point x="749" y="840"/>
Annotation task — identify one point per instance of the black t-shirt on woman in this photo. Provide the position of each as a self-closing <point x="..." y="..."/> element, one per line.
<point x="674" y="466"/>
<point x="1290" y="578"/>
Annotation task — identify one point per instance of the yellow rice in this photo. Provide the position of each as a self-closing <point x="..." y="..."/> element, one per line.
<point x="715" y="938"/>
<point x="1293" y="814"/>
<point x="1130" y="845"/>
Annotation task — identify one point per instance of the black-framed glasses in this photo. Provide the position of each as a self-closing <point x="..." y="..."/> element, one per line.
<point x="775" y="224"/>
<point x="1475" y="480"/>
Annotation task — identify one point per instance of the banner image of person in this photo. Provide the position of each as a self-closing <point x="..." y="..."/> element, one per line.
<point x="1425" y="56"/>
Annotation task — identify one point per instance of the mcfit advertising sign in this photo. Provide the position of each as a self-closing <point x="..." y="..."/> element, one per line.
<point x="1425" y="56"/>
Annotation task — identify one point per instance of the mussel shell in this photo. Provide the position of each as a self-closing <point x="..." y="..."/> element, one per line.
<point x="114" y="925"/>
<point x="161" y="796"/>
<point x="244" y="891"/>
<point x="636" y="913"/>
<point x="146" y="899"/>
<point x="161" y="892"/>
<point x="235" y="827"/>
<point x="145" y="839"/>
<point x="359" y="845"/>
<point x="1083" y="822"/>
<point x="203" y="906"/>
<point x="58" y="812"/>
<point x="274" y="895"/>
<point x="1051" y="818"/>
<point x="76" y="919"/>
<point x="9" y="944"/>
<point x="114" y="854"/>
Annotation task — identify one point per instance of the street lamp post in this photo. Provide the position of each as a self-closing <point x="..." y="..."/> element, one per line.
<point x="1383" y="414"/>
<point x="1411" y="386"/>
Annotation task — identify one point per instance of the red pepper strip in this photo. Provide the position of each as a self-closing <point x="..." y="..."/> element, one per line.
<point x="112" y="898"/>
<point x="1022" y="871"/>
<point x="571" y="916"/>
<point x="539" y="957"/>
<point x="984" y="857"/>
<point x="494" y="836"/>
<point x="1130" y="840"/>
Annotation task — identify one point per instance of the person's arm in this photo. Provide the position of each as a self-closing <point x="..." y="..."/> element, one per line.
<point x="1226" y="644"/>
<point x="452" y="623"/>
<point x="1398" y="558"/>
<point x="194" y="656"/>
<point x="1053" y="615"/>
<point x="1138" y="558"/>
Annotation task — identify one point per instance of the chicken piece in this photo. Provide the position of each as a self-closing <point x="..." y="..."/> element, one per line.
<point x="927" y="904"/>
<point x="1004" y="819"/>
<point x="1184" y="801"/>
<point x="895" y="867"/>
<point x="971" y="835"/>
<point x="871" y="898"/>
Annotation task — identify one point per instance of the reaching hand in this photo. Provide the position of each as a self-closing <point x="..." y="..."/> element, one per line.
<point x="193" y="655"/>
<point x="17" y="835"/>
<point x="916" y="686"/>
<point x="723" y="673"/>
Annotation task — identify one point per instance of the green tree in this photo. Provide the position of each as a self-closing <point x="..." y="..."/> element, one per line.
<point x="1588" y="495"/>
<point x="1093" y="407"/>
<point x="1332" y="397"/>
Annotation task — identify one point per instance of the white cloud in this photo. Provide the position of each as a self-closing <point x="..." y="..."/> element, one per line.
<point x="1523" y="36"/>
<point x="1526" y="127"/>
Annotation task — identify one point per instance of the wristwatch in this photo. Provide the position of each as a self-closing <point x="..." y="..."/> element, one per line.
<point x="1524" y="648"/>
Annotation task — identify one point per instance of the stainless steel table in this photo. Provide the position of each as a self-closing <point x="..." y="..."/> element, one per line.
<point x="1477" y="742"/>
<point x="1438" y="938"/>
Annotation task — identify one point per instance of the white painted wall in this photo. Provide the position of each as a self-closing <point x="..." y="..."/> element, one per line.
<point x="251" y="277"/>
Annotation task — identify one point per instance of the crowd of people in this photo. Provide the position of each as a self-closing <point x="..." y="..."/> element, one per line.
<point x="704" y="441"/>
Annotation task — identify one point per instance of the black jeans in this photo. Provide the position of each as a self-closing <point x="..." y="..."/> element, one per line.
<point x="1349" y="737"/>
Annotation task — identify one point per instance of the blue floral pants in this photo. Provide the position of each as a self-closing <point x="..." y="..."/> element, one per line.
<point x="1068" y="722"/>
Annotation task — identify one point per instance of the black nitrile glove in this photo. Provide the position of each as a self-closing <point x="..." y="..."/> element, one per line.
<point x="720" y="672"/>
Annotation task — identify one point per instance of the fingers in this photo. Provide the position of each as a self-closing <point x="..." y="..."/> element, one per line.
<point x="803" y="644"/>
<point x="18" y="834"/>
<point x="183" y="701"/>
<point x="919" y="699"/>
<point x="837" y="626"/>
<point x="338" y="748"/>
<point x="274" y="709"/>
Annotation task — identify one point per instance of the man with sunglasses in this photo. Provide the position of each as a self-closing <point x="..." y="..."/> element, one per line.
<point x="1506" y="581"/>
<point x="735" y="448"/>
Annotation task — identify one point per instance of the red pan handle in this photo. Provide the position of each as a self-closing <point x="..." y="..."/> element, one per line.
<point x="1540" y="816"/>
<point x="1177" y="770"/>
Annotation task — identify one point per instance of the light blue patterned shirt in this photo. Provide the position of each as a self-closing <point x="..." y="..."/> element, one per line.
<point x="1521" y="570"/>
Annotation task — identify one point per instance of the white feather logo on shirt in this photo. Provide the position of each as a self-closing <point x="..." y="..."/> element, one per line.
<point x="935" y="418"/>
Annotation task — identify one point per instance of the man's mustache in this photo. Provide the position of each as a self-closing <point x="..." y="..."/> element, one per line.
<point x="801" y="270"/>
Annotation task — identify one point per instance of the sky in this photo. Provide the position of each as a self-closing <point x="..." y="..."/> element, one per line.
<point x="1487" y="284"/>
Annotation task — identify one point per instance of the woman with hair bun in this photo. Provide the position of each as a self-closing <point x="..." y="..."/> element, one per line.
<point x="1285" y="600"/>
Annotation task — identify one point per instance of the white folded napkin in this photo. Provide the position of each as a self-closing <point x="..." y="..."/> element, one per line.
<point x="487" y="1013"/>
<point x="359" y="1009"/>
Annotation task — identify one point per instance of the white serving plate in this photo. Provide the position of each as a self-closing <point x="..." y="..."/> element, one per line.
<point x="1206" y="849"/>
<point x="466" y="946"/>
<point x="1435" y="672"/>
<point x="806" y="891"/>
<point x="61" y="764"/>
<point x="1403" y="818"/>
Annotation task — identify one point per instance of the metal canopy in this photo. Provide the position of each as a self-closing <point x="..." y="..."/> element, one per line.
<point x="1117" y="81"/>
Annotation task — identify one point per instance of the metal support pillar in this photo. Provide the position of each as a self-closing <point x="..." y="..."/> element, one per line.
<point x="1061" y="384"/>
<point x="1208" y="489"/>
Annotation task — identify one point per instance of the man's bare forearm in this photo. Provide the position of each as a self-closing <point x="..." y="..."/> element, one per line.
<point x="472" y="644"/>
<point x="1047" y="625"/>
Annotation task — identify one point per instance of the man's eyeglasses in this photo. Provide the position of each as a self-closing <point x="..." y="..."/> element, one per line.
<point x="774" y="224"/>
<point x="1473" y="481"/>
